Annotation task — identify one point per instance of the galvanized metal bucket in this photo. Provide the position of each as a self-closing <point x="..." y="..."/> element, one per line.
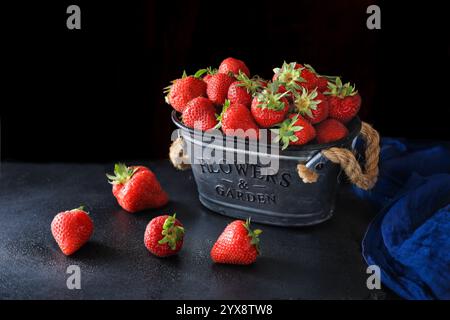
<point x="240" y="191"/>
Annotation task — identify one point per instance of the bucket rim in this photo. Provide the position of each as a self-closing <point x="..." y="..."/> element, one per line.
<point x="354" y="128"/>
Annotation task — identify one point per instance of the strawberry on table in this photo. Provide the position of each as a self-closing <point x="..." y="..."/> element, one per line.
<point x="233" y="66"/>
<point x="237" y="120"/>
<point x="164" y="236"/>
<point x="344" y="101"/>
<point x="312" y="105"/>
<point x="72" y="229"/>
<point x="136" y="188"/>
<point x="242" y="90"/>
<point x="217" y="87"/>
<point x="270" y="107"/>
<point x="330" y="130"/>
<point x="294" y="131"/>
<point x="183" y="90"/>
<point x="237" y="244"/>
<point x="200" y="113"/>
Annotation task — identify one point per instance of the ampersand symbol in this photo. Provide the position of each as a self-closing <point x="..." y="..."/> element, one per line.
<point x="242" y="184"/>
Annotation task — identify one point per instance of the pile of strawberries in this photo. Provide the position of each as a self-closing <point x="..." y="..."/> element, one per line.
<point x="298" y="105"/>
<point x="136" y="188"/>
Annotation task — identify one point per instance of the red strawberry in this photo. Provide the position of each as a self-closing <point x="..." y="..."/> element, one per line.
<point x="322" y="80"/>
<point x="183" y="90"/>
<point x="269" y="107"/>
<point x="209" y="72"/>
<point x="136" y="188"/>
<point x="236" y="120"/>
<point x="207" y="77"/>
<point x="232" y="65"/>
<point x="311" y="80"/>
<point x="72" y="229"/>
<point x="293" y="76"/>
<point x="217" y="87"/>
<point x="322" y="84"/>
<point x="200" y="114"/>
<point x="344" y="101"/>
<point x="330" y="130"/>
<point x="241" y="91"/>
<point x="164" y="236"/>
<point x="312" y="105"/>
<point x="237" y="244"/>
<point x="238" y="94"/>
<point x="294" y="131"/>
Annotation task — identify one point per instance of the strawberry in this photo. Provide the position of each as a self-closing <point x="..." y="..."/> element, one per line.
<point x="330" y="130"/>
<point x="164" y="236"/>
<point x="294" y="131"/>
<point x="344" y="101"/>
<point x="136" y="188"/>
<point x="322" y="80"/>
<point x="209" y="72"/>
<point x="183" y="90"/>
<point x="72" y="229"/>
<point x="241" y="91"/>
<point x="236" y="120"/>
<point x="293" y="76"/>
<point x="200" y="114"/>
<point x="217" y="87"/>
<point x="312" y="105"/>
<point x="322" y="84"/>
<point x="237" y="244"/>
<point x="311" y="79"/>
<point x="233" y="66"/>
<point x="270" y="107"/>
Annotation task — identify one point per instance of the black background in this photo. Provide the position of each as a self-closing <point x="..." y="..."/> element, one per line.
<point x="95" y="94"/>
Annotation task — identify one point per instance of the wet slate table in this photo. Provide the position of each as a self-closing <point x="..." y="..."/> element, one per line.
<point x="320" y="262"/>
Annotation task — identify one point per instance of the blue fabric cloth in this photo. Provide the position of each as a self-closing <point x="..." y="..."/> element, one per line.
<point x="410" y="237"/>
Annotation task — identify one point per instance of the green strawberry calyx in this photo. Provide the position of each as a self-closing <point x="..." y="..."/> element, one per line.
<point x="261" y="81"/>
<point x="200" y="73"/>
<point x="80" y="208"/>
<point x="330" y="78"/>
<point x="219" y="117"/>
<point x="341" y="90"/>
<point x="289" y="76"/>
<point x="122" y="174"/>
<point x="172" y="233"/>
<point x="269" y="98"/>
<point x="286" y="131"/>
<point x="211" y="71"/>
<point x="251" y="85"/>
<point x="306" y="101"/>
<point x="253" y="235"/>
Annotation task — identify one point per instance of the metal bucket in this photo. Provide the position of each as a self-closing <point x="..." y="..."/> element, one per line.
<point x="240" y="191"/>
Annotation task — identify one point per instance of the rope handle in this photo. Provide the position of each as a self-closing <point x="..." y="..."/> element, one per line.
<point x="346" y="159"/>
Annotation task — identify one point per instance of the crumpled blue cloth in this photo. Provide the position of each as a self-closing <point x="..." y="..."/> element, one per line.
<point x="409" y="239"/>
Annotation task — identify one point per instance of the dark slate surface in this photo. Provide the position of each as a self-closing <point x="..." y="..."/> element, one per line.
<point x="320" y="262"/>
